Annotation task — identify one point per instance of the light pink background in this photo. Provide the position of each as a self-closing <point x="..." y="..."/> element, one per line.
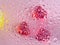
<point x="15" y="11"/>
